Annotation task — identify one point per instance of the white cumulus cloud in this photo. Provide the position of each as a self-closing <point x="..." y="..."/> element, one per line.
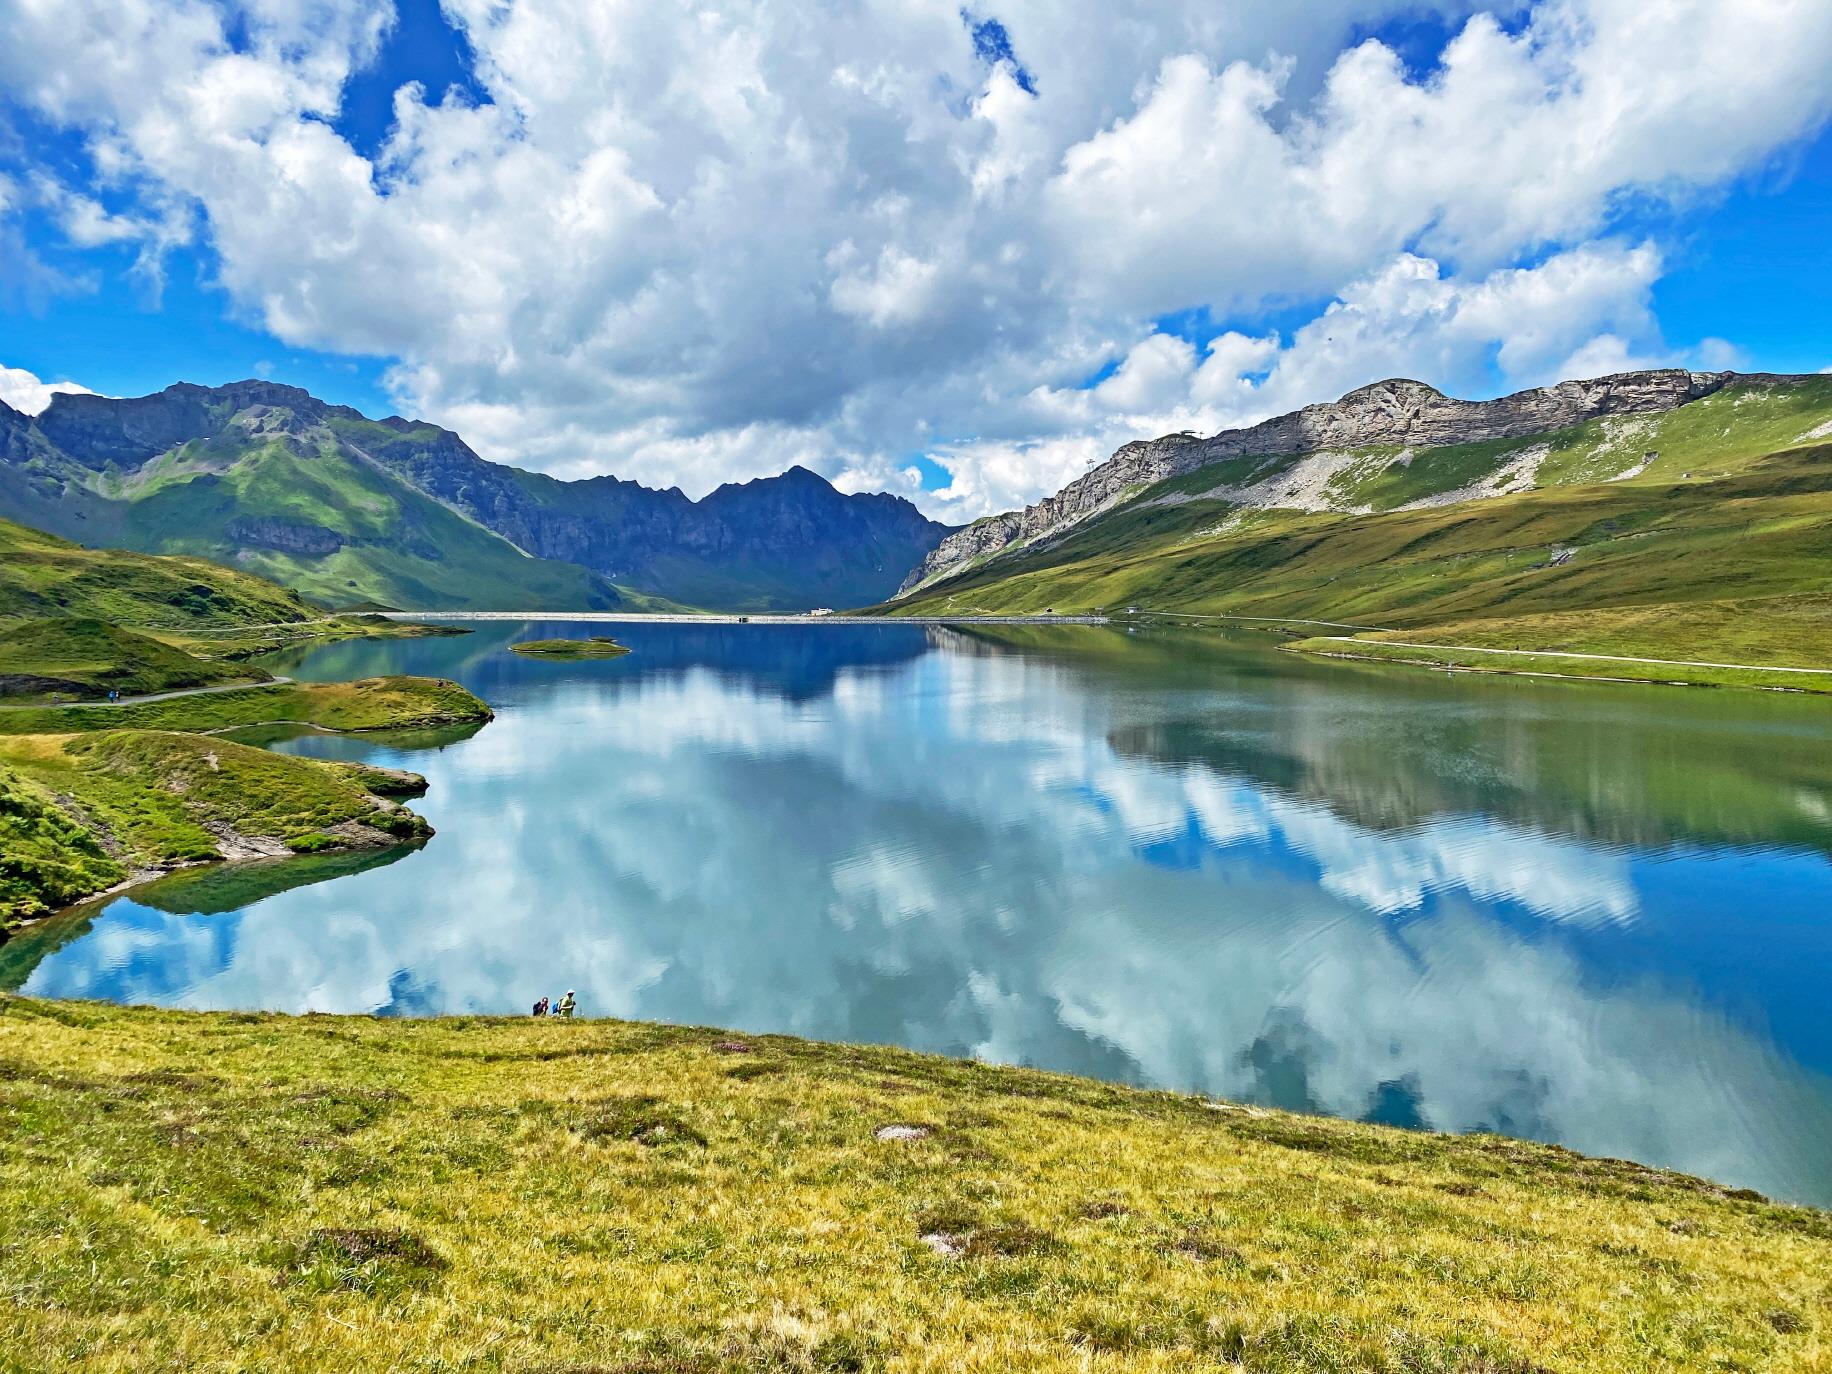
<point x="686" y="244"/>
<point x="26" y="394"/>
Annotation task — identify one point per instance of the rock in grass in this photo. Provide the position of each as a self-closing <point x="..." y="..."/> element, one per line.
<point x="904" y="1131"/>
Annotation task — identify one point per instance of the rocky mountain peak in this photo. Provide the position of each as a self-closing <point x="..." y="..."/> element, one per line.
<point x="250" y="391"/>
<point x="796" y="481"/>
<point x="127" y="431"/>
<point x="1394" y="392"/>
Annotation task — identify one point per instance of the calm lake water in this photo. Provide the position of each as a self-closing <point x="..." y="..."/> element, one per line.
<point x="1582" y="913"/>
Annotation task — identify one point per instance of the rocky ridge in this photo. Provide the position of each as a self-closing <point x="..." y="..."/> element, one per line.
<point x="1393" y="412"/>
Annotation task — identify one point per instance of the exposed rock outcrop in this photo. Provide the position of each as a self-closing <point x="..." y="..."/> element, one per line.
<point x="287" y="536"/>
<point x="1394" y="412"/>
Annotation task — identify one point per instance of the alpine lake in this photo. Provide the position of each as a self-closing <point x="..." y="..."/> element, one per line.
<point x="1594" y="914"/>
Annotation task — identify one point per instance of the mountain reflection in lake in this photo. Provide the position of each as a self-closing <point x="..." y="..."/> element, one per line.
<point x="1590" y="914"/>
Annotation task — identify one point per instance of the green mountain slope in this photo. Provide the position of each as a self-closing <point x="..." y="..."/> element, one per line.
<point x="784" y="543"/>
<point x="1711" y="437"/>
<point x="358" y="511"/>
<point x="1400" y="444"/>
<point x="1702" y="532"/>
<point x="304" y="511"/>
<point x="42" y="575"/>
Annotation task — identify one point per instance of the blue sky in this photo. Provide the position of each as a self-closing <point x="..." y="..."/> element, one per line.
<point x="999" y="247"/>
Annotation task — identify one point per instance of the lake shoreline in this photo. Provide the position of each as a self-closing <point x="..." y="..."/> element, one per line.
<point x="1810" y="682"/>
<point x="1346" y="649"/>
<point x="759" y="618"/>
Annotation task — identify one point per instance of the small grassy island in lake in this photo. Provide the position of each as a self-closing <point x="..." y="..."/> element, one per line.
<point x="247" y="1191"/>
<point x="598" y="646"/>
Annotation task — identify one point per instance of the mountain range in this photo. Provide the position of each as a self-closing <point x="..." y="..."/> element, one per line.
<point x="1395" y="504"/>
<point x="1391" y="438"/>
<point x="401" y="513"/>
<point x="1644" y="517"/>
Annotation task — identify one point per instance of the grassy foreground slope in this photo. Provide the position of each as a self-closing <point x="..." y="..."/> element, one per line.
<point x="227" y="1192"/>
<point x="80" y="813"/>
<point x="1737" y="564"/>
<point x="48" y="859"/>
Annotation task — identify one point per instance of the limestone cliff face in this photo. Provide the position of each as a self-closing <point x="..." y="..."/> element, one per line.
<point x="288" y="536"/>
<point x="1398" y="412"/>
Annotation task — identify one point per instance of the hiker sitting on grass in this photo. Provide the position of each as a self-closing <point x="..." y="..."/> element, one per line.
<point x="567" y="1003"/>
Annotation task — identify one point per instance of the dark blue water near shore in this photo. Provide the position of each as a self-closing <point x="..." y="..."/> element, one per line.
<point x="1597" y="915"/>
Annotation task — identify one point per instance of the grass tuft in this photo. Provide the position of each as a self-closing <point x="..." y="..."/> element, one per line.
<point x="375" y="1261"/>
<point x="646" y="1121"/>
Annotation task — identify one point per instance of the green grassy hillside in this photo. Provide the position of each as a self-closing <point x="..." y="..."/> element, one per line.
<point x="315" y="517"/>
<point x="190" y="604"/>
<point x="141" y="801"/>
<point x="230" y="1192"/>
<point x="77" y="658"/>
<point x="1713" y="437"/>
<point x="48" y="859"/>
<point x="1737" y="562"/>
<point x="44" y="576"/>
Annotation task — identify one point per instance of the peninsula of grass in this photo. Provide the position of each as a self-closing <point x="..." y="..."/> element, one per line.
<point x="245" y="1191"/>
<point x="234" y="644"/>
<point x="598" y="646"/>
<point x="375" y="703"/>
<point x="82" y="813"/>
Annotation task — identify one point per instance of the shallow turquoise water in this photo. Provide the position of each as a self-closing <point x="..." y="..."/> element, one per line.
<point x="1591" y="914"/>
